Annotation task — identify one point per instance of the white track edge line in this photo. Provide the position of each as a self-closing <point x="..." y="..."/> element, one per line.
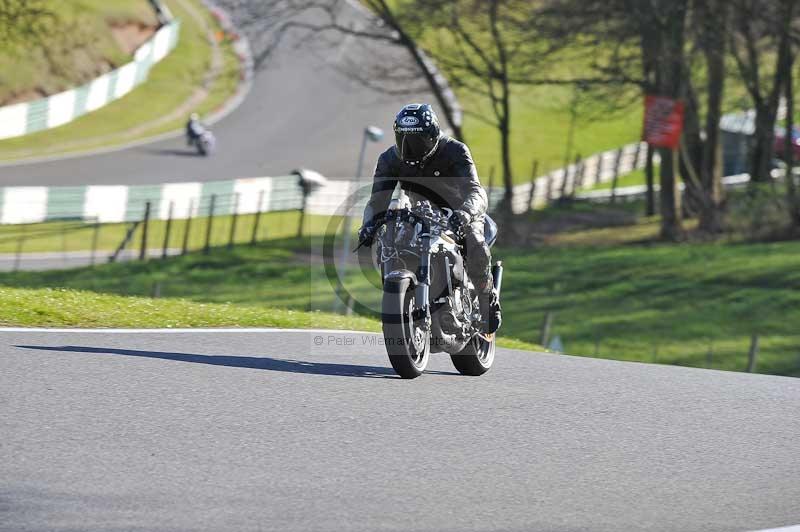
<point x="790" y="528"/>
<point x="228" y="330"/>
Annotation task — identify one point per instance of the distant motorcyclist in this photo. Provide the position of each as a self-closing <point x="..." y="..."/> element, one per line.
<point x="194" y="129"/>
<point x="440" y="169"/>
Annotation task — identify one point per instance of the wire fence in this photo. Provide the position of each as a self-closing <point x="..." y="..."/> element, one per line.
<point x="73" y="243"/>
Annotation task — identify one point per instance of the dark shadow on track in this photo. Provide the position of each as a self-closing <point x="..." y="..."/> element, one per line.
<point x="266" y="363"/>
<point x="179" y="153"/>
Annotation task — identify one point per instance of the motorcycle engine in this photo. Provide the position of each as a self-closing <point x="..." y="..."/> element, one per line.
<point x="456" y="312"/>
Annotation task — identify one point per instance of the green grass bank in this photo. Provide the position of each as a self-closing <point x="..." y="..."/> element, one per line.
<point x="173" y="84"/>
<point x="692" y="305"/>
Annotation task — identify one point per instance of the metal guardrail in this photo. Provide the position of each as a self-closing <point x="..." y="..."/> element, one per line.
<point x="597" y="168"/>
<point x="637" y="192"/>
<point x="121" y="203"/>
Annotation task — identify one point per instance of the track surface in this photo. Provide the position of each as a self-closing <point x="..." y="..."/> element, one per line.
<point x="269" y="431"/>
<point x="301" y="112"/>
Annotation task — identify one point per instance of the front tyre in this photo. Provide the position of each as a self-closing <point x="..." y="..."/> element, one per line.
<point x="477" y="356"/>
<point x="406" y="339"/>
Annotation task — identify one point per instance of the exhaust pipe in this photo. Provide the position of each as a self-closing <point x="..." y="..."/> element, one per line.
<point x="497" y="275"/>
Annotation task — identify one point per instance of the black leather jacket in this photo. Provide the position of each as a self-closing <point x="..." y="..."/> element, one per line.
<point x="448" y="179"/>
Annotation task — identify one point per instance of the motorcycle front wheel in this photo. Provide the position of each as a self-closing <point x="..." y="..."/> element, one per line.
<point x="477" y="356"/>
<point x="406" y="338"/>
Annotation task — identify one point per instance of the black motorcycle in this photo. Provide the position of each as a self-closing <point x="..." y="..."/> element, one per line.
<point x="429" y="303"/>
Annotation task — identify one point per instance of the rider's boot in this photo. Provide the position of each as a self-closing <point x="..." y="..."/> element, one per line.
<point x="491" y="313"/>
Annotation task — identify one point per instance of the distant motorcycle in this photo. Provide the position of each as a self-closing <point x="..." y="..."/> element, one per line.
<point x="429" y="302"/>
<point x="205" y="142"/>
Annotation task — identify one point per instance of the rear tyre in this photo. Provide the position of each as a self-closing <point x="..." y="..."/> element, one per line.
<point x="477" y="357"/>
<point x="406" y="339"/>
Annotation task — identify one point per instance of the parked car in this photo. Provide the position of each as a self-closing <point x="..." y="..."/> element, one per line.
<point x="779" y="146"/>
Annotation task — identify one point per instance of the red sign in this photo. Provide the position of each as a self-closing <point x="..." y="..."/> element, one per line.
<point x="663" y="121"/>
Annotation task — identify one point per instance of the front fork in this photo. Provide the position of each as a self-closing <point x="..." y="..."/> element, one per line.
<point x="422" y="291"/>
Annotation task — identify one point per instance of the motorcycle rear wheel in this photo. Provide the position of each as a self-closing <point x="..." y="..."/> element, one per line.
<point x="477" y="356"/>
<point x="406" y="339"/>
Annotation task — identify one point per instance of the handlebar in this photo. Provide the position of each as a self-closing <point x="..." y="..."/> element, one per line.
<point x="409" y="216"/>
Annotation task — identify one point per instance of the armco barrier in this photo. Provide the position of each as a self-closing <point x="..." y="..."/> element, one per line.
<point x="56" y="110"/>
<point x="122" y="203"/>
<point x="597" y="168"/>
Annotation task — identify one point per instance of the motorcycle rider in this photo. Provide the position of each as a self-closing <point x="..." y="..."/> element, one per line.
<point x="194" y="128"/>
<point x="438" y="168"/>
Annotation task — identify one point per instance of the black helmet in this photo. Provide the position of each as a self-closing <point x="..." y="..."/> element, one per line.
<point x="416" y="132"/>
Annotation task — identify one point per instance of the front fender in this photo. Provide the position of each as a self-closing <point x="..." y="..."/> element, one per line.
<point x="396" y="275"/>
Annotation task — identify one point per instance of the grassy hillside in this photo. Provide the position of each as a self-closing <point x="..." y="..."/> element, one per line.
<point x="695" y="304"/>
<point x="81" y="46"/>
<point x="48" y="307"/>
<point x="540" y="128"/>
<point x="172" y="82"/>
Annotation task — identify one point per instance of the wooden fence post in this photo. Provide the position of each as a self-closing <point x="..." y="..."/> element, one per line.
<point x="207" y="246"/>
<point x="636" y="155"/>
<point x="95" y="239"/>
<point x="257" y="219"/>
<point x="532" y="196"/>
<point x="752" y="354"/>
<point x="185" y="246"/>
<point x="167" y="231"/>
<point x="145" y="223"/>
<point x="577" y="175"/>
<point x="598" y="172"/>
<point x="232" y="236"/>
<point x="547" y="324"/>
<point x="617" y="160"/>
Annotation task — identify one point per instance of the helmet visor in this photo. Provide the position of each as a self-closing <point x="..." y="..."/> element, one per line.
<point x="414" y="147"/>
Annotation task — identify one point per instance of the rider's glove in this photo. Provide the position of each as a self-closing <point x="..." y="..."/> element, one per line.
<point x="460" y="220"/>
<point x="366" y="235"/>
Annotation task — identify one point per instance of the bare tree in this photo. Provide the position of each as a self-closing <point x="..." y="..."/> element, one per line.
<point x="487" y="48"/>
<point x="701" y="152"/>
<point x="631" y="42"/>
<point x="788" y="55"/>
<point x="396" y="65"/>
<point x="756" y="37"/>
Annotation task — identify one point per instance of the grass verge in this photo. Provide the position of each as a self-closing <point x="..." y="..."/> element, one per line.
<point x="61" y="307"/>
<point x="171" y="83"/>
<point x="272" y="284"/>
<point x="694" y="304"/>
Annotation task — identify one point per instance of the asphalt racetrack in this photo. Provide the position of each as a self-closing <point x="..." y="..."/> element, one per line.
<point x="290" y="430"/>
<point x="302" y="111"/>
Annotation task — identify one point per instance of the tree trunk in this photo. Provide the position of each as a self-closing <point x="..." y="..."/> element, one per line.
<point x="711" y="166"/>
<point x="671" y="228"/>
<point x="505" y="145"/>
<point x="788" y="138"/>
<point x="788" y="154"/>
<point x="763" y="142"/>
<point x="691" y="154"/>
<point x="672" y="77"/>
<point x="650" y="208"/>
